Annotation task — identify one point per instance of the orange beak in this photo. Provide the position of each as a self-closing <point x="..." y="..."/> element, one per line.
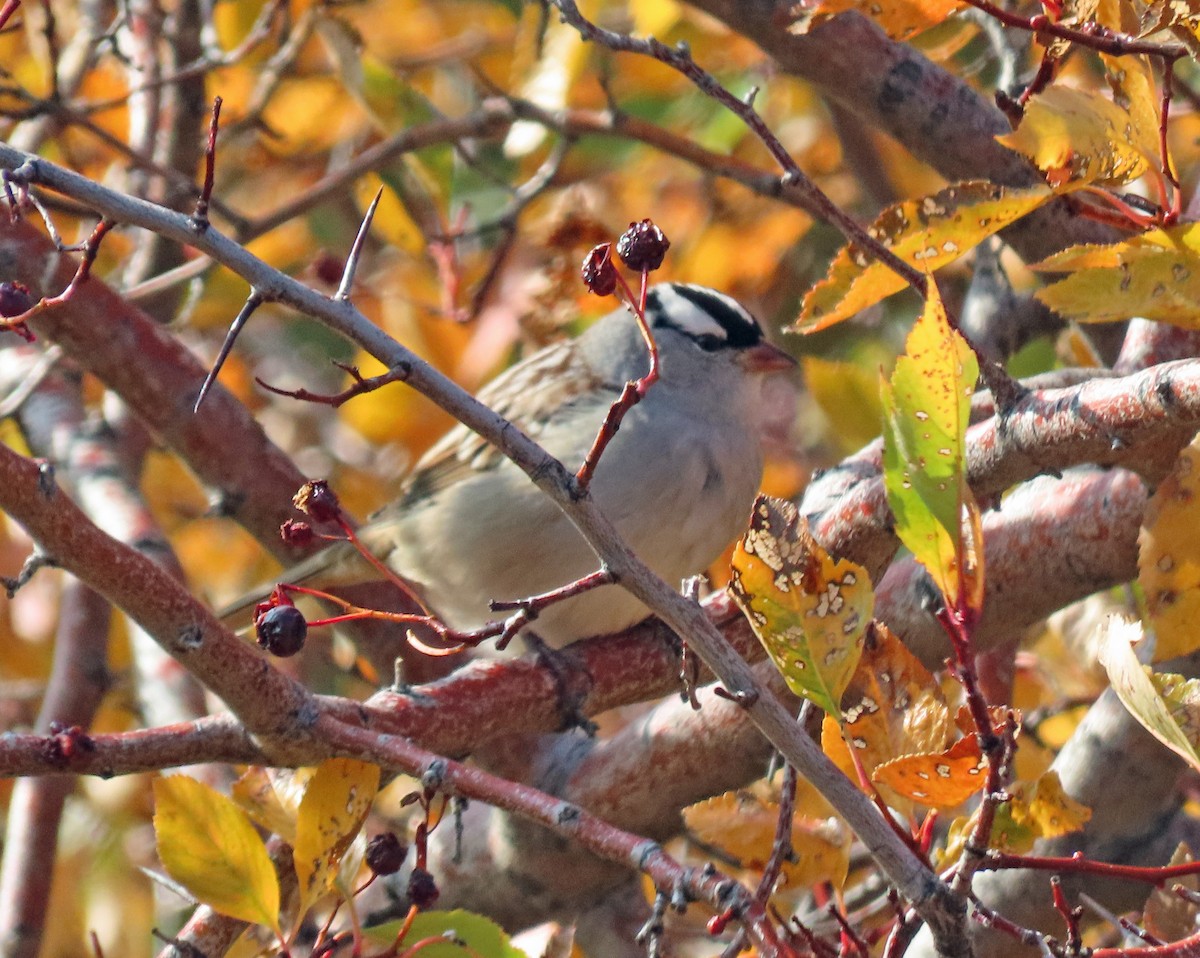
<point x="766" y="358"/>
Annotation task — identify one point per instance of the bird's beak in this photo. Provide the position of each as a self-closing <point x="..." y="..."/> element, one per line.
<point x="766" y="358"/>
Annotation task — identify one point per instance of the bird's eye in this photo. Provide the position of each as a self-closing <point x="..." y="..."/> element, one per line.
<point x="710" y="343"/>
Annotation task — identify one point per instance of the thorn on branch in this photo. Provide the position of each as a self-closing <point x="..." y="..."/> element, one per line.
<point x="29" y="569"/>
<point x="743" y="697"/>
<point x="253" y="301"/>
<point x="200" y="216"/>
<point x="343" y="290"/>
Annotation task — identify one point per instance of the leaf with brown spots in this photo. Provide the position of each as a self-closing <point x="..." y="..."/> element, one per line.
<point x="1155" y="275"/>
<point x="333" y="809"/>
<point x="927" y="233"/>
<point x="808" y="609"/>
<point x="1038" y="810"/>
<point x="1079" y="137"/>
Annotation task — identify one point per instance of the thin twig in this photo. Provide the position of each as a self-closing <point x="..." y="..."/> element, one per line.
<point x="200" y="214"/>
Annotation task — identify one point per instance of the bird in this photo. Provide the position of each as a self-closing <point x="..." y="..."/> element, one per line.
<point x="677" y="480"/>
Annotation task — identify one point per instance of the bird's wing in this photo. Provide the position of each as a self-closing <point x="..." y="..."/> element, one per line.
<point x="527" y="395"/>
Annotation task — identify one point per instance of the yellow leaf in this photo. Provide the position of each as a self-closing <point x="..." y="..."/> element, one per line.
<point x="927" y="405"/>
<point x="927" y="233"/>
<point x="1155" y="275"/>
<point x="743" y="824"/>
<point x="848" y="394"/>
<point x="1040" y="810"/>
<point x="207" y="844"/>
<point x="652" y="17"/>
<point x="1080" y="136"/>
<point x="258" y="798"/>
<point x="1136" y="687"/>
<point x="808" y="609"/>
<point x="1046" y="809"/>
<point x="333" y="809"/>
<point x="900" y="19"/>
<point x="1169" y="558"/>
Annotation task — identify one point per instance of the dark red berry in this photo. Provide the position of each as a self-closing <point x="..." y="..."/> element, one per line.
<point x="386" y="853"/>
<point x="328" y="268"/>
<point x="297" y="534"/>
<point x="15" y="299"/>
<point x="281" y="630"/>
<point x="599" y="273"/>
<point x="317" y="501"/>
<point x="643" y="246"/>
<point x="422" y="889"/>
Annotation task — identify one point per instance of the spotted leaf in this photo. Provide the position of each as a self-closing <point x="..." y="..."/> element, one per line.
<point x="940" y="780"/>
<point x="892" y="706"/>
<point x="333" y="809"/>
<point x="1155" y="275"/>
<point x="927" y="233"/>
<point x="808" y="609"/>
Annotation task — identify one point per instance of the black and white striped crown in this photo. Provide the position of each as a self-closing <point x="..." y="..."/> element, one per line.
<point x="712" y="319"/>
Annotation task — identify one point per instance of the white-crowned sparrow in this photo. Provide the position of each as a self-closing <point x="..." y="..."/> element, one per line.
<point x="677" y="480"/>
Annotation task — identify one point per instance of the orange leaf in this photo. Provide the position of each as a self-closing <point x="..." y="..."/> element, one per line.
<point x="942" y="780"/>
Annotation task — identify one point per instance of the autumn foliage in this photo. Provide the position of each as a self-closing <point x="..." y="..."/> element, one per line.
<point x="940" y="699"/>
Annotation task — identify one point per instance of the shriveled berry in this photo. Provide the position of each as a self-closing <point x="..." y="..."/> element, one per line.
<point x="386" y="853"/>
<point x="422" y="889"/>
<point x="15" y="299"/>
<point x="297" y="534"/>
<point x="317" y="501"/>
<point x="643" y="246"/>
<point x="599" y="273"/>
<point x="281" y="630"/>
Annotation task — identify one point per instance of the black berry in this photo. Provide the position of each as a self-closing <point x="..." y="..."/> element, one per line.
<point x="422" y="889"/>
<point x="15" y="299"/>
<point x="643" y="246"/>
<point x="317" y="501"/>
<point x="281" y="630"/>
<point x="385" y="854"/>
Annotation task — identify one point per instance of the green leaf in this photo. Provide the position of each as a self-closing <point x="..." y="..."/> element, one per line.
<point x="207" y="844"/>
<point x="467" y="936"/>
<point x="333" y="809"/>
<point x="926" y="409"/>
<point x="808" y="609"/>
